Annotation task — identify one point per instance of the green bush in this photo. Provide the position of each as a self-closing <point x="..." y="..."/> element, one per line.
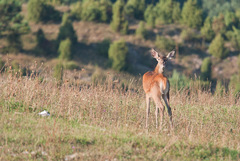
<point x="178" y="81"/>
<point x="14" y="42"/>
<point x="103" y="47"/>
<point x="234" y="84"/>
<point x="164" y="44"/>
<point x="76" y="10"/>
<point x="70" y="65"/>
<point x="141" y="30"/>
<point x="67" y="31"/>
<point x="220" y="89"/>
<point x="168" y="11"/>
<point x="206" y="70"/>
<point x="43" y="46"/>
<point x="236" y="38"/>
<point x="119" y="23"/>
<point x="40" y="11"/>
<point x="135" y="8"/>
<point x="218" y="24"/>
<point x="58" y="72"/>
<point x="207" y="31"/>
<point x="230" y="19"/>
<point x="93" y="10"/>
<point x="192" y="14"/>
<point x="117" y="54"/>
<point x="217" y="48"/>
<point x="65" y="50"/>
<point x="150" y="16"/>
<point x="188" y="35"/>
<point x="1" y="64"/>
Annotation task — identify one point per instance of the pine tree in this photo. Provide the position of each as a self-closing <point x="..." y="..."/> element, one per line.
<point x="206" y="69"/>
<point x="117" y="54"/>
<point x="12" y="25"/>
<point x="192" y="14"/>
<point x="119" y="23"/>
<point x="141" y="30"/>
<point x="217" y="48"/>
<point x="206" y="30"/>
<point x="135" y="8"/>
<point x="150" y="16"/>
<point x="168" y="11"/>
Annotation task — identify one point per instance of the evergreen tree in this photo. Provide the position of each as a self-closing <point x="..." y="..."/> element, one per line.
<point x="150" y="16"/>
<point x="135" y="8"/>
<point x="192" y="14"/>
<point x="43" y="46"/>
<point x="67" y="31"/>
<point x="119" y="23"/>
<point x="141" y="30"/>
<point x="65" y="50"/>
<point x="168" y="11"/>
<point x="207" y="31"/>
<point x="206" y="70"/>
<point x="40" y="11"/>
<point x="217" y="48"/>
<point x="12" y="25"/>
<point x="218" y="24"/>
<point x="117" y="54"/>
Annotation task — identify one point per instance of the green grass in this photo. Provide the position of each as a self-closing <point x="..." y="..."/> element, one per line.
<point x="107" y="122"/>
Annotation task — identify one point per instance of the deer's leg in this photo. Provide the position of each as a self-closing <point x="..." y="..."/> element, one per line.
<point x="147" y="109"/>
<point x="159" y="107"/>
<point x="166" y="100"/>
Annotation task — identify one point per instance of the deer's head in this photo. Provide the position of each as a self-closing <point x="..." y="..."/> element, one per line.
<point x="162" y="59"/>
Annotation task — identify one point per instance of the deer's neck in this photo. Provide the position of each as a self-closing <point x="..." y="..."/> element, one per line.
<point x="158" y="69"/>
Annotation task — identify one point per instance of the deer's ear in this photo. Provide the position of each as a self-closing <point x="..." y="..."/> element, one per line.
<point x="171" y="54"/>
<point x="154" y="54"/>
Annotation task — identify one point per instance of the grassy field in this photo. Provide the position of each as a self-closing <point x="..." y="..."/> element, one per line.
<point x="107" y="121"/>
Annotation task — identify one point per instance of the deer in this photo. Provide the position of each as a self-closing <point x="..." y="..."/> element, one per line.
<point x="156" y="85"/>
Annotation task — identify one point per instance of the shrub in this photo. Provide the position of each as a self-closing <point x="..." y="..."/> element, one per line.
<point x="93" y="10"/>
<point x="192" y="14"/>
<point x="76" y="10"/>
<point x="67" y="31"/>
<point x="217" y="48"/>
<point x="164" y="44"/>
<point x="234" y="84"/>
<point x="39" y="11"/>
<point x="119" y="23"/>
<point x="150" y="16"/>
<point x="220" y="89"/>
<point x="141" y="30"/>
<point x="135" y="8"/>
<point x="58" y="72"/>
<point x="206" y="70"/>
<point x="118" y="54"/>
<point x="207" y="31"/>
<point x="65" y="50"/>
<point x="230" y="19"/>
<point x="178" y="81"/>
<point x="1" y="64"/>
<point x="90" y="11"/>
<point x="103" y="47"/>
<point x="43" y="45"/>
<point x="187" y="35"/>
<point x="168" y="11"/>
<point x="218" y="24"/>
<point x="14" y="42"/>
<point x="236" y="38"/>
<point x="70" y="65"/>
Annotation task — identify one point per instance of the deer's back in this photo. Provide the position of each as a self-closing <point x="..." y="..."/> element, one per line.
<point x="155" y="81"/>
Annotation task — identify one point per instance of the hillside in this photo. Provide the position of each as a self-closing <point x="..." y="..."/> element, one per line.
<point x="90" y="34"/>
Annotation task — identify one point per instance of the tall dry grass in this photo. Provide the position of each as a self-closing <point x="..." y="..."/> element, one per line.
<point x="200" y="118"/>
